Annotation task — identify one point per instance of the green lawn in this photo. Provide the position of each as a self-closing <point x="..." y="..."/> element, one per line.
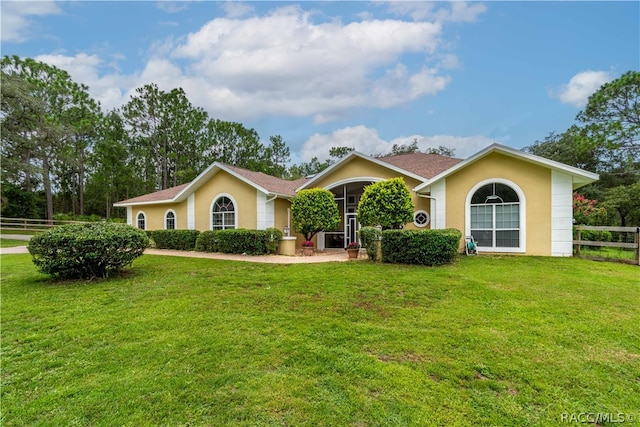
<point x="10" y="243"/>
<point x="177" y="341"/>
<point x="608" y="253"/>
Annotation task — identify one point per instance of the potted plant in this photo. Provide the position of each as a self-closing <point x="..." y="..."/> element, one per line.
<point x="307" y="248"/>
<point x="353" y="249"/>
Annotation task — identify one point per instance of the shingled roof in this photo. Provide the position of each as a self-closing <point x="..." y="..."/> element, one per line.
<point x="159" y="196"/>
<point x="270" y="183"/>
<point x="422" y="164"/>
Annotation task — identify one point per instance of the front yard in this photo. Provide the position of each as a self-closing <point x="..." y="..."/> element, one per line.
<point x="178" y="341"/>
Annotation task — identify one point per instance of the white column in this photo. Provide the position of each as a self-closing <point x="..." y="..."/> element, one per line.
<point x="561" y="214"/>
<point x="439" y="205"/>
<point x="191" y="212"/>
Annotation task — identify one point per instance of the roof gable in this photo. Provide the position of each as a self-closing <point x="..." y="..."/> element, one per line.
<point x="422" y="164"/>
<point x="580" y="177"/>
<point x="166" y="195"/>
<point x="419" y="166"/>
<point x="260" y="181"/>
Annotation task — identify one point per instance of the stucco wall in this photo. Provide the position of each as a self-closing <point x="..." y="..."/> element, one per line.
<point x="280" y="213"/>
<point x="155" y="215"/>
<point x="241" y="193"/>
<point x="366" y="170"/>
<point x="533" y="180"/>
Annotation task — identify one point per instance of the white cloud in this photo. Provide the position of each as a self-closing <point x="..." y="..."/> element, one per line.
<point x="449" y="61"/>
<point x="581" y="86"/>
<point x="285" y="63"/>
<point x="282" y="64"/>
<point x="15" y="22"/>
<point x="237" y="9"/>
<point x="172" y="6"/>
<point x="107" y="89"/>
<point x="454" y="11"/>
<point x="366" y="140"/>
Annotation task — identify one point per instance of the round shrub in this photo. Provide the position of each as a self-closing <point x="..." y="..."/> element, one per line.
<point x="86" y="251"/>
<point x="369" y="236"/>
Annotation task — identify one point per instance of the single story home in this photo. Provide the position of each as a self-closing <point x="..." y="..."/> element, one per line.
<point x="509" y="200"/>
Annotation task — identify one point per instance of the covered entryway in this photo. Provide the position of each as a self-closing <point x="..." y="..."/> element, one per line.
<point x="347" y="196"/>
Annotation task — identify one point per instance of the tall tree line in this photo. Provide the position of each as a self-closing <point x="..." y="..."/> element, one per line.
<point x="606" y="140"/>
<point x="62" y="154"/>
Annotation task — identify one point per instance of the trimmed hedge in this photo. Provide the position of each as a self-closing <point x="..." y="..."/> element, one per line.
<point x="424" y="247"/>
<point x="369" y="237"/>
<point x="181" y="240"/>
<point x="240" y="241"/>
<point x="207" y="241"/>
<point x="274" y="235"/>
<point x="85" y="251"/>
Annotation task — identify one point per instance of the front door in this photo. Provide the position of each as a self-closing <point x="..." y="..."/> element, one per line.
<point x="351" y="228"/>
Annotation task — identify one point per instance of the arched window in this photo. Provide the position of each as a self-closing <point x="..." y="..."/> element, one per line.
<point x="495" y="217"/>
<point x="223" y="214"/>
<point x="170" y="220"/>
<point x="142" y="221"/>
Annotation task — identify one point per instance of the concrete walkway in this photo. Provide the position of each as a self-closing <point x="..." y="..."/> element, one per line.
<point x="326" y="256"/>
<point x="24" y="237"/>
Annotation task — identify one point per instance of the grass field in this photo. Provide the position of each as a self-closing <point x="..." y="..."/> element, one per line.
<point x="10" y="243"/>
<point x="608" y="253"/>
<point x="199" y="342"/>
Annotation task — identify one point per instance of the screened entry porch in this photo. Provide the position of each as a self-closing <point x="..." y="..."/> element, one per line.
<point x="347" y="197"/>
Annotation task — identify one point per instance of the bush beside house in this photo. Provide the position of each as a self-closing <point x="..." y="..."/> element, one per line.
<point x="239" y="241"/>
<point x="424" y="247"/>
<point x="88" y="250"/>
<point x="314" y="210"/>
<point x="369" y="237"/>
<point x="181" y="240"/>
<point x="386" y="203"/>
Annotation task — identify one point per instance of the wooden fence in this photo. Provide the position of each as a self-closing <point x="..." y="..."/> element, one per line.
<point x="630" y="242"/>
<point x="7" y="225"/>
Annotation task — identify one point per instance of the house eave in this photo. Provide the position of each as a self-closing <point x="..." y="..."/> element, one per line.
<point x="317" y="177"/>
<point x="580" y="177"/>
<point x="153" y="202"/>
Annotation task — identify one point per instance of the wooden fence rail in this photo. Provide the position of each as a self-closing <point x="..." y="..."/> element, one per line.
<point x="627" y="244"/>
<point x="33" y="225"/>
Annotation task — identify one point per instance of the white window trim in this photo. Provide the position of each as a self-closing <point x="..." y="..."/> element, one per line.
<point x="422" y="211"/>
<point x="235" y="209"/>
<point x="175" y="219"/>
<point x="145" y="220"/>
<point x="523" y="215"/>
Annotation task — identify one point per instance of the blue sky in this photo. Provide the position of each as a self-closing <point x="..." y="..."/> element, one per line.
<point x="360" y="74"/>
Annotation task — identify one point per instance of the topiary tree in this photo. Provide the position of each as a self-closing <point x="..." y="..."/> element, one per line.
<point x="386" y="203"/>
<point x="85" y="251"/>
<point x="314" y="210"/>
<point x="370" y="236"/>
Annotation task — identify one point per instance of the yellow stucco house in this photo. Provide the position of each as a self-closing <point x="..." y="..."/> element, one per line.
<point x="510" y="201"/>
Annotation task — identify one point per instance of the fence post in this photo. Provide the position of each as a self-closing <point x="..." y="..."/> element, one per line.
<point x="637" y="241"/>
<point x="578" y="245"/>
